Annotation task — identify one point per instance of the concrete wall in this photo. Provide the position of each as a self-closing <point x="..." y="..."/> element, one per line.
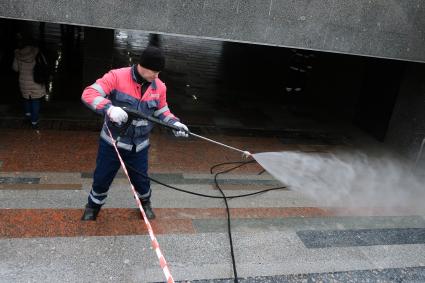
<point x="390" y="28"/>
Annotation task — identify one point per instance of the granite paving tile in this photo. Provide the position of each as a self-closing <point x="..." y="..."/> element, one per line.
<point x="311" y="224"/>
<point x="237" y="213"/>
<point x="257" y="177"/>
<point x="19" y="180"/>
<point x="29" y="223"/>
<point x="118" y="221"/>
<point x="40" y="186"/>
<point x="363" y="237"/>
<point x="46" y="177"/>
<point x="378" y="211"/>
<point x="249" y="186"/>
<point x="386" y="256"/>
<point x="177" y="178"/>
<point x="408" y="274"/>
<point x="56" y="151"/>
<point x="75" y="151"/>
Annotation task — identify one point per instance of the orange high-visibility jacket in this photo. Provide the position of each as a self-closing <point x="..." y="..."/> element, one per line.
<point x="119" y="87"/>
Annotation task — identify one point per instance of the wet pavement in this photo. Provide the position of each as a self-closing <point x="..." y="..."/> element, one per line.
<point x="279" y="236"/>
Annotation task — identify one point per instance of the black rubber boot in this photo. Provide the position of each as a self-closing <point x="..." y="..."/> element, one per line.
<point x="147" y="207"/>
<point x="90" y="213"/>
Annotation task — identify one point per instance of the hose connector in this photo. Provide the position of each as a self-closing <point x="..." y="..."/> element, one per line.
<point x="246" y="154"/>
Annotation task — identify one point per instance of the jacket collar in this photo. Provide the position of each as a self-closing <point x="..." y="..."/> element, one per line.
<point x="139" y="79"/>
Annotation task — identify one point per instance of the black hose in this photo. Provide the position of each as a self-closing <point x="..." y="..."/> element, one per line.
<point x="224" y="197"/>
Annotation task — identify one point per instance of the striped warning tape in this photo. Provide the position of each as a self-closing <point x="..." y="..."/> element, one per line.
<point x="155" y="244"/>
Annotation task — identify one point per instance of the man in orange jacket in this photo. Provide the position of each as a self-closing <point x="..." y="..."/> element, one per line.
<point x="139" y="88"/>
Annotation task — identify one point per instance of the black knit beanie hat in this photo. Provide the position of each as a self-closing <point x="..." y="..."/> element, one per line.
<point x="152" y="58"/>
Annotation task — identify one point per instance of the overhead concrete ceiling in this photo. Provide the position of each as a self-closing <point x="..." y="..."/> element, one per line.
<point x="387" y="29"/>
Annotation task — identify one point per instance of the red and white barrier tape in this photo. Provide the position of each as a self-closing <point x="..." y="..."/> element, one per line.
<point x="154" y="242"/>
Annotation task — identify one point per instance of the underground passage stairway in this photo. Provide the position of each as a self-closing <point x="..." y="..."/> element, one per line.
<point x="278" y="236"/>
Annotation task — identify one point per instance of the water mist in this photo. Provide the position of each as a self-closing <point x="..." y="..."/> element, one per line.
<point x="347" y="179"/>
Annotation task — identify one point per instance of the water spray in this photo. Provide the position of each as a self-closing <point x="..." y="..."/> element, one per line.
<point x="335" y="179"/>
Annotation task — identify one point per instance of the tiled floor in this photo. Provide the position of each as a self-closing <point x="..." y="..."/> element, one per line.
<point x="45" y="177"/>
<point x="75" y="151"/>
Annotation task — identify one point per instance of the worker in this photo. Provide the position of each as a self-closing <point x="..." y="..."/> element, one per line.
<point x="137" y="87"/>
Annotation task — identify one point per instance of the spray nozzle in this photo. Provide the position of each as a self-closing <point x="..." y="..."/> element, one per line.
<point x="246" y="154"/>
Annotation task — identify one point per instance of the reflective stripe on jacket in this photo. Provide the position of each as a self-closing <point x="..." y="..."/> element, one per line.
<point x="119" y="87"/>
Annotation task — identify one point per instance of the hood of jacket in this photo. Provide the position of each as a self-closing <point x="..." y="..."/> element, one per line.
<point x="26" y="54"/>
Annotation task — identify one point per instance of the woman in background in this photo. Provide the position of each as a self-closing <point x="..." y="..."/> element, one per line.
<point x="32" y="92"/>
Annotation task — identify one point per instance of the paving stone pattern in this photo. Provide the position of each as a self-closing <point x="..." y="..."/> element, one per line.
<point x="364" y="237"/>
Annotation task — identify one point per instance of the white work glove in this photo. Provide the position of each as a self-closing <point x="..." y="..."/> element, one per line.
<point x="182" y="132"/>
<point x="117" y="115"/>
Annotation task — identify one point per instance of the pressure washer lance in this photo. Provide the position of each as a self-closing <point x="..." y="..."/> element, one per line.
<point x="132" y="114"/>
